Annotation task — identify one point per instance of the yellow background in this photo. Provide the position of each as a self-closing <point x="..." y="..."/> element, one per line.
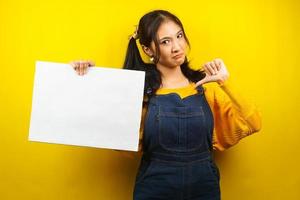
<point x="258" y="41"/>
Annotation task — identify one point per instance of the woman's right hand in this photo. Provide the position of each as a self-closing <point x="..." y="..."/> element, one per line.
<point x="81" y="66"/>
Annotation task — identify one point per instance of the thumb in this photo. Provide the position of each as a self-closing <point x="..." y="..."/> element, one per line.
<point x="202" y="81"/>
<point x="91" y="63"/>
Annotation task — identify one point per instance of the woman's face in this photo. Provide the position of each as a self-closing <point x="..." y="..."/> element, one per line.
<point x="172" y="44"/>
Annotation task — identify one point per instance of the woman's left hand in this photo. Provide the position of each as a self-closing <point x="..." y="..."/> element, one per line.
<point x="215" y="72"/>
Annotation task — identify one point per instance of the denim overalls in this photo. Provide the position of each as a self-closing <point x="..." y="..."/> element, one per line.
<point x="177" y="162"/>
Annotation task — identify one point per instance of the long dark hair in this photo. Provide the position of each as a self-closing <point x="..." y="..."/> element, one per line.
<point x="147" y="32"/>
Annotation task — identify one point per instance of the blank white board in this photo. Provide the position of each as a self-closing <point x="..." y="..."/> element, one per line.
<point x="100" y="109"/>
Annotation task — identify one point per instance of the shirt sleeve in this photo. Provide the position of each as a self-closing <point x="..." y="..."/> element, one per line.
<point x="234" y="116"/>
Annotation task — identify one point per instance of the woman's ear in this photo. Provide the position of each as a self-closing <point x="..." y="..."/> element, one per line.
<point x="147" y="51"/>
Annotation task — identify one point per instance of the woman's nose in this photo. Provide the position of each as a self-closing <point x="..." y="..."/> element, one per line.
<point x="175" y="47"/>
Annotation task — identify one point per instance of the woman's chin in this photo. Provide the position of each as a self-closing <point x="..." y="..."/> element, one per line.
<point x="179" y="62"/>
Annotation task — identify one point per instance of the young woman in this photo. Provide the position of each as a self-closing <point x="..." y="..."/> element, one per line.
<point x="183" y="121"/>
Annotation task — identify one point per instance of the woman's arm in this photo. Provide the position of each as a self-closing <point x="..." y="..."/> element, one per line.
<point x="234" y="116"/>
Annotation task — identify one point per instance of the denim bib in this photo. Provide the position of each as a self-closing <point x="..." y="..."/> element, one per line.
<point x="177" y="159"/>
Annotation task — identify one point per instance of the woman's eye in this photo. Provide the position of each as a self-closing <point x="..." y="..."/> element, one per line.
<point x="180" y="35"/>
<point x="165" y="42"/>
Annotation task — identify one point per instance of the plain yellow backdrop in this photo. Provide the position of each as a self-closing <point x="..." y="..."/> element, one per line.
<point x="258" y="41"/>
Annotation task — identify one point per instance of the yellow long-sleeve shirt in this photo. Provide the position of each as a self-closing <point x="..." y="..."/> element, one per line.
<point x="234" y="117"/>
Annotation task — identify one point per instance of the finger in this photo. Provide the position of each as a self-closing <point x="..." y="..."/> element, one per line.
<point x="213" y="68"/>
<point x="76" y="66"/>
<point x="72" y="63"/>
<point x="203" y="69"/>
<point x="209" y="69"/>
<point x="91" y="63"/>
<point x="221" y="63"/>
<point x="86" y="65"/>
<point x="81" y="66"/>
<point x="76" y="63"/>
<point x="217" y="64"/>
<point x="85" y="70"/>
<point x="219" y="60"/>
<point x="199" y="83"/>
<point x="202" y="81"/>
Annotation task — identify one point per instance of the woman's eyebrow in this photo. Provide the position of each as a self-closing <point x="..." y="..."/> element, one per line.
<point x="167" y="37"/>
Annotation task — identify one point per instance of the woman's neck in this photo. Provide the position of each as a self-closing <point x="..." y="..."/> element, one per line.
<point x="172" y="77"/>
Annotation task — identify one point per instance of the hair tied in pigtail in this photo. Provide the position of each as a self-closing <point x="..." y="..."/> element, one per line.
<point x="135" y="33"/>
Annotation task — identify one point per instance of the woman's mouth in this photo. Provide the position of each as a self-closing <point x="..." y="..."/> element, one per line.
<point x="178" y="56"/>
